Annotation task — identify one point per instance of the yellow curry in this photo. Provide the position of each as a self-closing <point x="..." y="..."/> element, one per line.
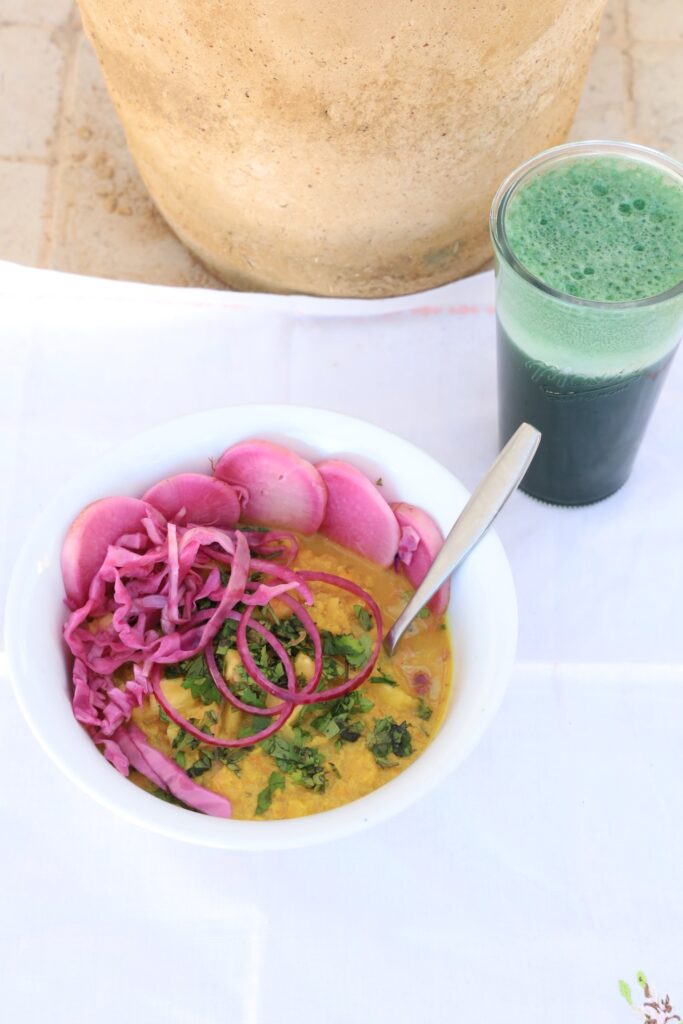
<point x="328" y="753"/>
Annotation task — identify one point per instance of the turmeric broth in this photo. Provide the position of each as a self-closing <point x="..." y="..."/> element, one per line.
<point x="328" y="753"/>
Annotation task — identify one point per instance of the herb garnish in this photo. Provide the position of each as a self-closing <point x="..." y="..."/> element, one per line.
<point x="201" y="765"/>
<point x="300" y="735"/>
<point x="197" y="679"/>
<point x="383" y="678"/>
<point x="339" y="721"/>
<point x="265" y="797"/>
<point x="226" y="756"/>
<point x="184" y="740"/>
<point x="227" y="638"/>
<point x="303" y="765"/>
<point x="389" y="738"/>
<point x="423" y="709"/>
<point x="249" y="692"/>
<point x="231" y="757"/>
<point x="363" y="616"/>
<point x="289" y="632"/>
<point x="355" y="649"/>
<point x="256" y="726"/>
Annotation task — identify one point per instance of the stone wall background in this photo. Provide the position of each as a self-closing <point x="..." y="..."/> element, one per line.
<point x="71" y="199"/>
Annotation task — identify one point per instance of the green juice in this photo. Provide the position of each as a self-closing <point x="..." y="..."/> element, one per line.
<point x="590" y="310"/>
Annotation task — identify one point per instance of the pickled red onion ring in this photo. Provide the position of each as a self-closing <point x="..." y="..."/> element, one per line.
<point x="355" y="681"/>
<point x="252" y="668"/>
<point x="223" y="687"/>
<point x="216" y="741"/>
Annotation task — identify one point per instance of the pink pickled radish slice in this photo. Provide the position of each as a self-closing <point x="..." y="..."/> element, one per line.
<point x="357" y="515"/>
<point x="282" y="488"/>
<point x="100" y="524"/>
<point x="421" y="540"/>
<point x="195" y="498"/>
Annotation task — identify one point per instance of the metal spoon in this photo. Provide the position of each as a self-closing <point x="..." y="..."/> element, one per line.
<point x="484" y="505"/>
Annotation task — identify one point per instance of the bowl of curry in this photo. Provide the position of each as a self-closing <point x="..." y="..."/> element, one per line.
<point x="216" y="593"/>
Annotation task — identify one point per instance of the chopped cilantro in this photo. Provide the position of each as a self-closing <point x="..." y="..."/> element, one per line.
<point x="363" y="616"/>
<point x="382" y="678"/>
<point x="250" y="693"/>
<point x="206" y="724"/>
<point x="198" y="680"/>
<point x="163" y="717"/>
<point x="270" y="664"/>
<point x="291" y="633"/>
<point x="423" y="613"/>
<point x="389" y="738"/>
<point x="230" y="757"/>
<point x="227" y="638"/>
<point x="266" y="659"/>
<point x="332" y="669"/>
<point x="201" y="765"/>
<point x="179" y="758"/>
<point x="265" y="797"/>
<point x="257" y="725"/>
<point x="183" y="739"/>
<point x="339" y="720"/>
<point x="355" y="649"/>
<point x="300" y="735"/>
<point x="423" y="709"/>
<point x="304" y="765"/>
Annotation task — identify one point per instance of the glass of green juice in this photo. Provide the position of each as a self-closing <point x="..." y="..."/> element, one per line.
<point x="588" y="240"/>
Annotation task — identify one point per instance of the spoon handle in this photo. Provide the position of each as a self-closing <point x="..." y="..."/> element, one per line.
<point x="484" y="505"/>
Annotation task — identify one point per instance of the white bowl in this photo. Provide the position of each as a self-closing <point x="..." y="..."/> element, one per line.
<point x="482" y="613"/>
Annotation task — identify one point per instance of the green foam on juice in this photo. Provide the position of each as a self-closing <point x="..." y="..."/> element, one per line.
<point x="602" y="228"/>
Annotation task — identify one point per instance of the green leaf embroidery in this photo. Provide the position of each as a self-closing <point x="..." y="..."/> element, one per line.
<point x="625" y="991"/>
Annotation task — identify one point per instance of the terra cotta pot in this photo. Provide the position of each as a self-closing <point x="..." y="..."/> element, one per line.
<point x="343" y="147"/>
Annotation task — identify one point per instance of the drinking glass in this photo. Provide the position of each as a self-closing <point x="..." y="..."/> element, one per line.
<point x="586" y="373"/>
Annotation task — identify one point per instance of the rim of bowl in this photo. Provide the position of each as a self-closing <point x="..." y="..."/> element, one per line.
<point x="114" y="791"/>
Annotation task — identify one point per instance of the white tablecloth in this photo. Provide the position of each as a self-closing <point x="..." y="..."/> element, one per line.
<point x="547" y="868"/>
